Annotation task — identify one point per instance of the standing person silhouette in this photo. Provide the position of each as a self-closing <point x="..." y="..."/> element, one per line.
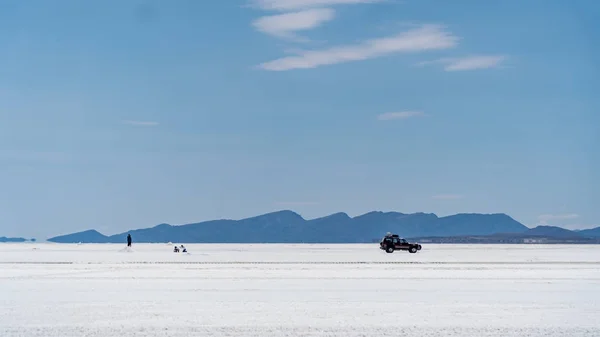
<point x="128" y="240"/>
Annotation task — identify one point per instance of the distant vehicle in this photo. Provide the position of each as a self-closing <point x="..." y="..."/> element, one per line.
<point x="392" y="242"/>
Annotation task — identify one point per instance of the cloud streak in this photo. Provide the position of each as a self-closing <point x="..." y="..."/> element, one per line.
<point x="447" y="196"/>
<point x="579" y="226"/>
<point x="468" y="63"/>
<point x="424" y="38"/>
<point x="290" y="5"/>
<point x="284" y="25"/>
<point x="296" y="203"/>
<point x="140" y="123"/>
<point x="35" y="156"/>
<point x="554" y="217"/>
<point x="399" y="115"/>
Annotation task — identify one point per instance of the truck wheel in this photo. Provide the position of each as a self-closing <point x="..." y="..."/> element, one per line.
<point x="413" y="250"/>
<point x="419" y="247"/>
<point x="389" y="249"/>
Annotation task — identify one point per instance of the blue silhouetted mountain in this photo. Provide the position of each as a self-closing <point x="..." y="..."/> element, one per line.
<point x="540" y="234"/>
<point x="289" y="227"/>
<point x="553" y="232"/>
<point x="5" y="239"/>
<point x="590" y="233"/>
<point x="89" y="236"/>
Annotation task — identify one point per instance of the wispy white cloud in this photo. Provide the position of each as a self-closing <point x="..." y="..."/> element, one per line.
<point x="284" y="25"/>
<point x="287" y="5"/>
<point x="545" y="218"/>
<point x="447" y="196"/>
<point x="35" y="156"/>
<point x="140" y="123"/>
<point x="426" y="37"/>
<point x="579" y="226"/>
<point x="399" y="115"/>
<point x="468" y="62"/>
<point x="296" y="203"/>
<point x="475" y="62"/>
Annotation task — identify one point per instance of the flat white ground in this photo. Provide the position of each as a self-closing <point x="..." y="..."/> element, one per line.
<point x="299" y="290"/>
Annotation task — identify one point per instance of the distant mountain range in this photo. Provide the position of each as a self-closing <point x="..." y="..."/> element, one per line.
<point x="289" y="227"/>
<point x="540" y="234"/>
<point x="593" y="233"/>
<point x="5" y="239"/>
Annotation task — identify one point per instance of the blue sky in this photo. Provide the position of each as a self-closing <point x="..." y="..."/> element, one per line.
<point x="125" y="114"/>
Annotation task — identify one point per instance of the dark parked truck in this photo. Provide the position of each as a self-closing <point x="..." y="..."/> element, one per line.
<point x="392" y="242"/>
